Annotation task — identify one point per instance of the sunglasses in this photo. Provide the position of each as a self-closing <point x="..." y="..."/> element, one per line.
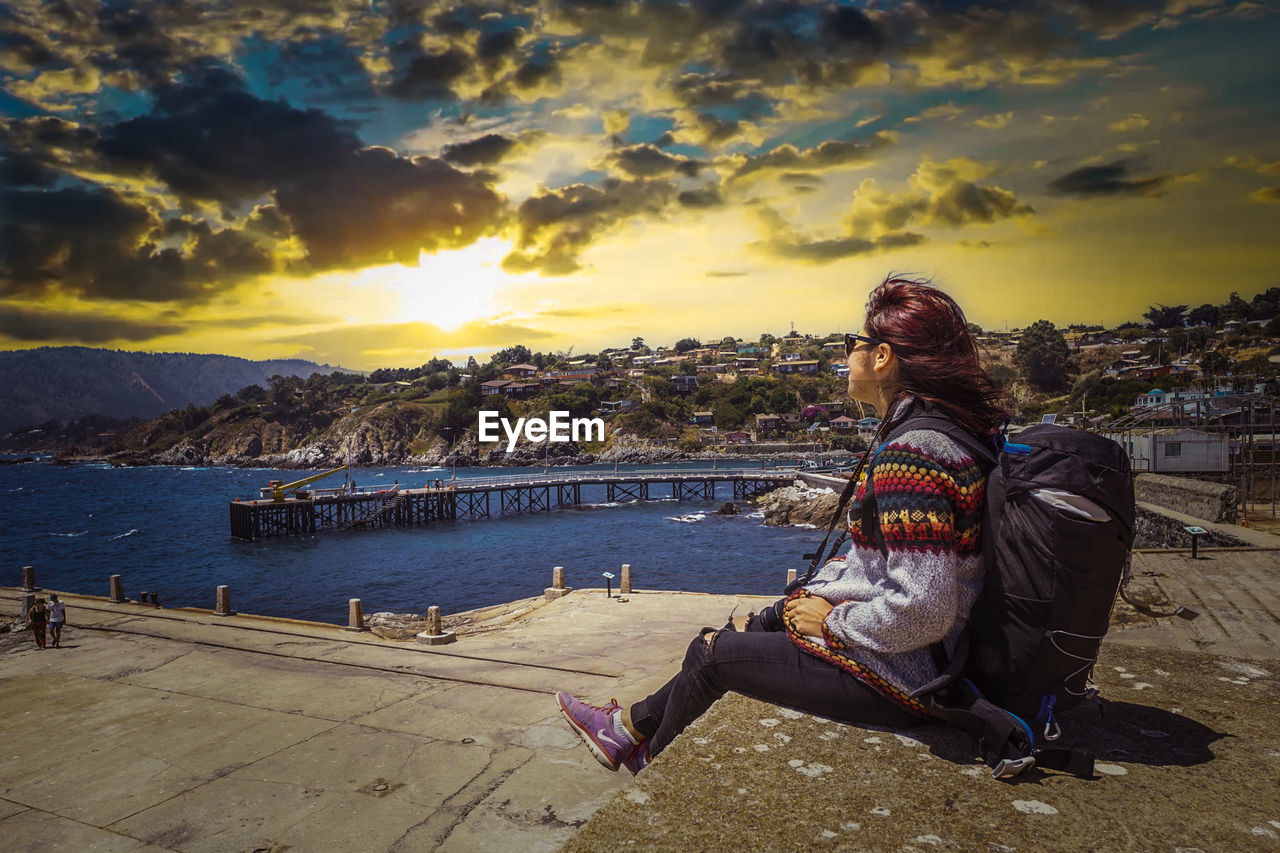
<point x="851" y="342"/>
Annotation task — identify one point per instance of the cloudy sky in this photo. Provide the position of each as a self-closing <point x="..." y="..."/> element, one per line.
<point x="372" y="184"/>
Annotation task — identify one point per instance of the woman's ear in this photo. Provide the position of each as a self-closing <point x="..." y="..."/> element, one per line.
<point x="885" y="360"/>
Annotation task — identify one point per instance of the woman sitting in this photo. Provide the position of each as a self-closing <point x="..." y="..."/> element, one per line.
<point x="854" y="642"/>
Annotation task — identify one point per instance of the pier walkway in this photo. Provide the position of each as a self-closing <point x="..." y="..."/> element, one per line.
<point x="485" y="497"/>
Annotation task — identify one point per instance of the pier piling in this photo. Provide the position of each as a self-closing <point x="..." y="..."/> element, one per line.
<point x="116" y="584"/>
<point x="557" y="588"/>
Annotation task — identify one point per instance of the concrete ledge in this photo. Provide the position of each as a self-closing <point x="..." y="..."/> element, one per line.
<point x="1197" y="498"/>
<point x="1188" y="751"/>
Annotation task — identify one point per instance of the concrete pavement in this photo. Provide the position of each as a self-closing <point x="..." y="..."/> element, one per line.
<point x="174" y="729"/>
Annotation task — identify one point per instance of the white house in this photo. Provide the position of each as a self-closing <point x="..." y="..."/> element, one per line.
<point x="1164" y="451"/>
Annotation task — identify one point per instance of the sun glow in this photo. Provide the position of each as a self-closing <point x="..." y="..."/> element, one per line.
<point x="450" y="288"/>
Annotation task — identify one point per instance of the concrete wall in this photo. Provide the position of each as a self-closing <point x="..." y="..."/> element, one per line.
<point x="1153" y="530"/>
<point x="1196" y="498"/>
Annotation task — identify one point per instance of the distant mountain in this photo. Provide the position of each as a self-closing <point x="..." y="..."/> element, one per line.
<point x="65" y="383"/>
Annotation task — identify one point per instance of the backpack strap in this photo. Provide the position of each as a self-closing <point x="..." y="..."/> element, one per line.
<point x="1006" y="741"/>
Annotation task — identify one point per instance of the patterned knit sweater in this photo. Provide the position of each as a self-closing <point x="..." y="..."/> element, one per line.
<point x="889" y="609"/>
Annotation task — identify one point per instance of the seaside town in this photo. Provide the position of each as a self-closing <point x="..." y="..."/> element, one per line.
<point x="1173" y="385"/>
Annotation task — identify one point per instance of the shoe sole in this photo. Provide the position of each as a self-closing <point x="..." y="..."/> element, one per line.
<point x="587" y="739"/>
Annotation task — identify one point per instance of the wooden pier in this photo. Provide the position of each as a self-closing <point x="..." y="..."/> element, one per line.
<point x="474" y="498"/>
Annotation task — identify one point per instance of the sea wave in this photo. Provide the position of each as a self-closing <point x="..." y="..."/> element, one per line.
<point x="70" y="535"/>
<point x="688" y="517"/>
<point x="131" y="532"/>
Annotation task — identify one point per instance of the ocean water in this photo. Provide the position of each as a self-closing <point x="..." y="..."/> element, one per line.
<point x="166" y="529"/>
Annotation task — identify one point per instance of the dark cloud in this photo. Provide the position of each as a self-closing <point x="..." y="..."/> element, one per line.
<point x="1111" y="179"/>
<point x="21" y="52"/>
<point x="137" y="42"/>
<point x="24" y="324"/>
<point x="379" y="208"/>
<point x="558" y="225"/>
<point x="95" y="244"/>
<point x="496" y="44"/>
<point x="964" y="202"/>
<point x="708" y="196"/>
<point x="482" y="151"/>
<point x="428" y="75"/>
<point x="22" y="170"/>
<point x="212" y="140"/>
<point x="828" y="155"/>
<point x="826" y="251"/>
<point x="648" y="161"/>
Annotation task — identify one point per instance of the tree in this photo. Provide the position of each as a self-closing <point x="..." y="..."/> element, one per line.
<point x="604" y="362"/>
<point x="1236" y="308"/>
<point x="686" y="344"/>
<point x="1214" y="362"/>
<point x="1165" y="316"/>
<point x="637" y="343"/>
<point x="518" y="354"/>
<point x="1205" y="315"/>
<point x="1042" y="356"/>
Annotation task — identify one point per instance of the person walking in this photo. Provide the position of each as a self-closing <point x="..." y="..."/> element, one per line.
<point x="37" y="618"/>
<point x="57" y="618"/>
<point x="856" y="640"/>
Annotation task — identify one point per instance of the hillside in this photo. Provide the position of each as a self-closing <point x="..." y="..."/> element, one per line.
<point x="66" y="383"/>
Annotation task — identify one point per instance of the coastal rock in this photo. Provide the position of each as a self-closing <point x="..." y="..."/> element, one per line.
<point x="729" y="508"/>
<point x="798" y="504"/>
<point x="396" y="626"/>
<point x="630" y="450"/>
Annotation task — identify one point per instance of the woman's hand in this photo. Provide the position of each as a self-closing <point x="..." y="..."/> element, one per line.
<point x="808" y="614"/>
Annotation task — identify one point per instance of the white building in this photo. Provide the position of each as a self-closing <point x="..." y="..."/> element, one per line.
<point x="1164" y="451"/>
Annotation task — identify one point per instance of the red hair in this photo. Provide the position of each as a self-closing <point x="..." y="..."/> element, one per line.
<point x="937" y="354"/>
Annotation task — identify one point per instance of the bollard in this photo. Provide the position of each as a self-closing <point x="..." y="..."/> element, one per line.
<point x="435" y="635"/>
<point x="624" y="585"/>
<point x="355" y="616"/>
<point x="117" y="589"/>
<point x="153" y="598"/>
<point x="791" y="576"/>
<point x="29" y="579"/>
<point x="557" y="588"/>
<point x="223" y="607"/>
<point x="142" y="597"/>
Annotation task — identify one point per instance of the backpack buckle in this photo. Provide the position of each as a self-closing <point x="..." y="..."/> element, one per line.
<point x="1010" y="767"/>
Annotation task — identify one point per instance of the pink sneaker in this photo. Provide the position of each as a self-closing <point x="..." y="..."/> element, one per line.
<point x="639" y="758"/>
<point x="594" y="724"/>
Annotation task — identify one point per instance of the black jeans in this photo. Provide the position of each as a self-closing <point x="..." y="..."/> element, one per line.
<point x="764" y="665"/>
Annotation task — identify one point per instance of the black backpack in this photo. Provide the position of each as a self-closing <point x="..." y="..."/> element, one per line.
<point x="1057" y="529"/>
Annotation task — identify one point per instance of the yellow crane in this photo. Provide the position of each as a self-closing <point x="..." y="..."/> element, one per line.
<point x="277" y="488"/>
